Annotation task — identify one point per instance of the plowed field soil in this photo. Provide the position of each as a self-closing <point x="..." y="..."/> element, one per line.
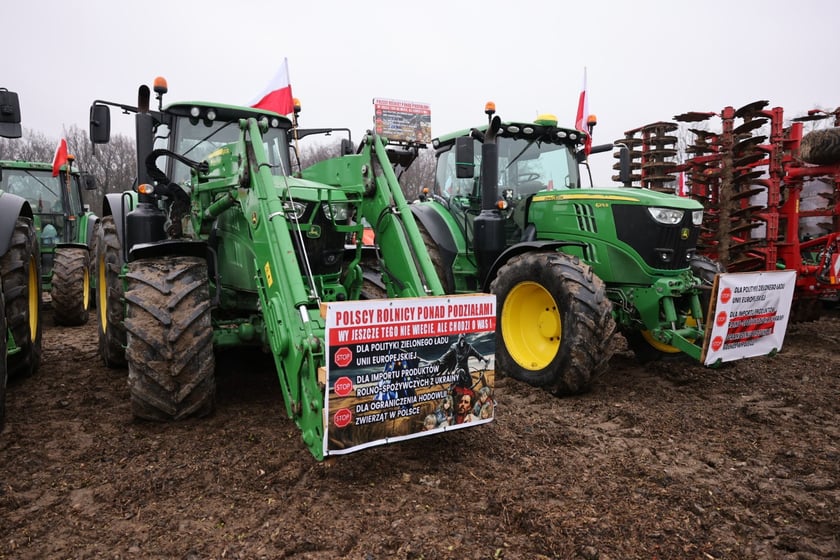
<point x="665" y="461"/>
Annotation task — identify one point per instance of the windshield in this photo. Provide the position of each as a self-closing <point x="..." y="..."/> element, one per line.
<point x="42" y="190"/>
<point x="525" y="167"/>
<point x="197" y="140"/>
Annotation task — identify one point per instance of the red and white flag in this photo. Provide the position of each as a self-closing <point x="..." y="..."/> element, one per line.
<point x="583" y="115"/>
<point x="681" y="190"/>
<point x="277" y="95"/>
<point x="60" y="157"/>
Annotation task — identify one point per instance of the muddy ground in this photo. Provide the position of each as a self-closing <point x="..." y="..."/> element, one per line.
<point x="663" y="461"/>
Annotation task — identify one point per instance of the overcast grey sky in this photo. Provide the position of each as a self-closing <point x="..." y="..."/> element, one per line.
<point x="646" y="60"/>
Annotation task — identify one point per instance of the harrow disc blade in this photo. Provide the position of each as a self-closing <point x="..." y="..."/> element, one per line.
<point x="693" y="116"/>
<point x="749" y="126"/>
<point x="751" y="109"/>
<point x="750" y="142"/>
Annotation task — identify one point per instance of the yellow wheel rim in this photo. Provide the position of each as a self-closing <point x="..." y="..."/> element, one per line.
<point x="531" y="326"/>
<point x="86" y="288"/>
<point x="34" y="296"/>
<point x="102" y="294"/>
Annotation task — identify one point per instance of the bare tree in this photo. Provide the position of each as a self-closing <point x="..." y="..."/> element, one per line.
<point x="419" y="175"/>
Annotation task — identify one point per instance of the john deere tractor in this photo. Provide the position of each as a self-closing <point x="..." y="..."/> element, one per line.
<point x="20" y="296"/>
<point x="569" y="265"/>
<point x="220" y="246"/>
<point x="65" y="228"/>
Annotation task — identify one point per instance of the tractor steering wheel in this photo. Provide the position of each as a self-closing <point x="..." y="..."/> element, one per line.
<point x="527" y="177"/>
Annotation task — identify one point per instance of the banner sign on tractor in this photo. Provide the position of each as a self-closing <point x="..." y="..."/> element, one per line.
<point x="403" y="120"/>
<point x="405" y="368"/>
<point x="750" y="315"/>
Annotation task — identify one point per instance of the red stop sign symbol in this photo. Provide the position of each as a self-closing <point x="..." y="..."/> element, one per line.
<point x="717" y="343"/>
<point x="342" y="417"/>
<point x="343" y="357"/>
<point x="721" y="318"/>
<point x="343" y="386"/>
<point x="725" y="295"/>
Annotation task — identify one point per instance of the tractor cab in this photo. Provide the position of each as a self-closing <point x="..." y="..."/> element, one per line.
<point x="533" y="157"/>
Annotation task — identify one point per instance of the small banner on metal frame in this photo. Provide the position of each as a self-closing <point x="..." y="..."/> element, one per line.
<point x="750" y="315"/>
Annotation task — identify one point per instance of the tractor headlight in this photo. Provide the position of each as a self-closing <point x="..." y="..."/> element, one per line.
<point x="697" y="217"/>
<point x="293" y="209"/>
<point x="668" y="216"/>
<point x="337" y="211"/>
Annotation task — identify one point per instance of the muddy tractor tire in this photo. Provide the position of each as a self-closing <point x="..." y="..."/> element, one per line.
<point x="554" y="322"/>
<point x="20" y="269"/>
<point x="4" y="378"/>
<point x="433" y="250"/>
<point x="109" y="295"/>
<point x="171" y="365"/>
<point x="71" y="286"/>
<point x="821" y="147"/>
<point x="372" y="290"/>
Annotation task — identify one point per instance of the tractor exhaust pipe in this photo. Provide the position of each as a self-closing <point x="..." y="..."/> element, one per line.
<point x="489" y="224"/>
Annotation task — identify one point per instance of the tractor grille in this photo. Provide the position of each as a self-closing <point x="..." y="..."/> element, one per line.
<point x="661" y="246"/>
<point x="324" y="246"/>
<point x="585" y="215"/>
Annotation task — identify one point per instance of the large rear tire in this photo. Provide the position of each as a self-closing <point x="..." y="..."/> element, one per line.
<point x="3" y="373"/>
<point x="71" y="286"/>
<point x="554" y="322"/>
<point x="109" y="294"/>
<point x="20" y="269"/>
<point x="433" y="250"/>
<point x="171" y="366"/>
<point x="821" y="147"/>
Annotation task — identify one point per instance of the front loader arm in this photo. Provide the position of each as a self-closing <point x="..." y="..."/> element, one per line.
<point x="407" y="268"/>
<point x="406" y="259"/>
<point x="291" y="313"/>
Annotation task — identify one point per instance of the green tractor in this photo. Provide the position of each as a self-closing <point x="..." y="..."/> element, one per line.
<point x="570" y="266"/>
<point x="65" y="227"/>
<point x="221" y="246"/>
<point x="20" y="296"/>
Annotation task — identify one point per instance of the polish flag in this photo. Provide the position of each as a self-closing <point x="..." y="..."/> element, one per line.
<point x="60" y="157"/>
<point x="277" y="95"/>
<point x="681" y="190"/>
<point x="583" y="115"/>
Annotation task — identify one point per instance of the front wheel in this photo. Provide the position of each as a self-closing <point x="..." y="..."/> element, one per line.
<point x="3" y="350"/>
<point x="554" y="322"/>
<point x="171" y="366"/>
<point x="20" y="268"/>
<point x="71" y="286"/>
<point x="109" y="294"/>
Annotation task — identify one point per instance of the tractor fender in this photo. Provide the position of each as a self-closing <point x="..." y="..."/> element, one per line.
<point x="11" y="207"/>
<point x="92" y="220"/>
<point x="118" y="205"/>
<point x="524" y="247"/>
<point x="168" y="247"/>
<point x="434" y="223"/>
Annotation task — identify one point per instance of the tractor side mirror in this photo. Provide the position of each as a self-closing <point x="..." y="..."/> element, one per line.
<point x="347" y="148"/>
<point x="9" y="114"/>
<point x="624" y="175"/>
<point x="100" y="123"/>
<point x="88" y="181"/>
<point x="464" y="158"/>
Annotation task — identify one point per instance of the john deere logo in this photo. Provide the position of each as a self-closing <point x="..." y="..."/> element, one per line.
<point x="684" y="233"/>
